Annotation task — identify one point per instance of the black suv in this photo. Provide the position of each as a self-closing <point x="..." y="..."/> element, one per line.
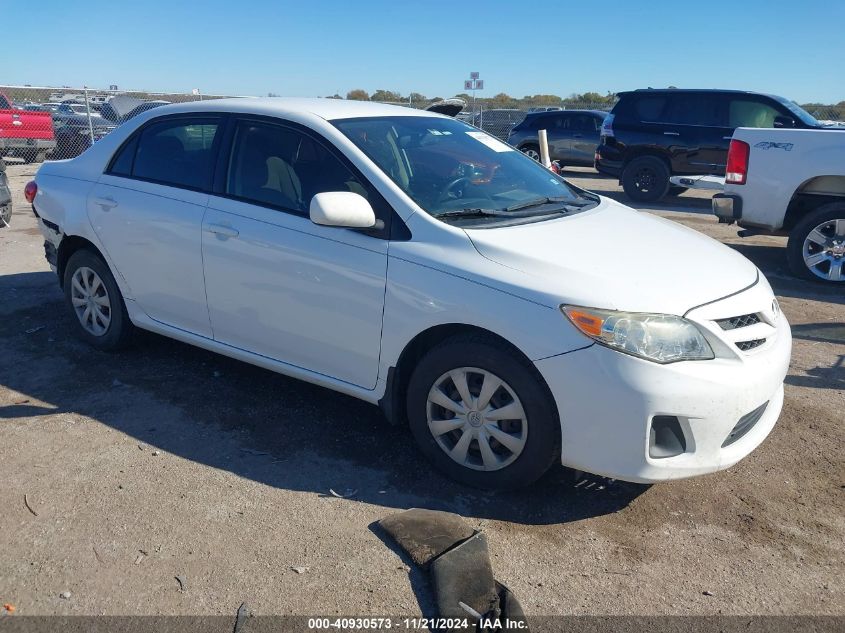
<point x="651" y="134"/>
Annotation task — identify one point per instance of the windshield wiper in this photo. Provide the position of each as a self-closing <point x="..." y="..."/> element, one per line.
<point x="471" y="213"/>
<point x="568" y="202"/>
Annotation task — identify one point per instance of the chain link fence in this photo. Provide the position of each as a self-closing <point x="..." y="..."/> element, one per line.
<point x="58" y="123"/>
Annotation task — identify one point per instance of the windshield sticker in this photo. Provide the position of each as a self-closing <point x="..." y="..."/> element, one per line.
<point x="493" y="143"/>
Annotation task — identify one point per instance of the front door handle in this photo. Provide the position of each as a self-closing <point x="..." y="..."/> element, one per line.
<point x="106" y="204"/>
<point x="671" y="134"/>
<point x="222" y="231"/>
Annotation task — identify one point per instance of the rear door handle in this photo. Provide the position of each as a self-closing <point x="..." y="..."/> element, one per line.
<point x="106" y="204"/>
<point x="671" y="134"/>
<point x="222" y="231"/>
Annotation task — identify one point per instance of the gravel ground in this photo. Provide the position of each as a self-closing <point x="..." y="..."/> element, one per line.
<point x="167" y="461"/>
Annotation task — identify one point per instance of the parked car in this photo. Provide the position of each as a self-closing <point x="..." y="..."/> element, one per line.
<point x="544" y="109"/>
<point x="73" y="134"/>
<point x="652" y="135"/>
<point x="573" y="135"/>
<point x="121" y="109"/>
<point x="42" y="107"/>
<point x="498" y="122"/>
<point x="24" y="133"/>
<point x="790" y="182"/>
<point x="5" y="197"/>
<point x="410" y="260"/>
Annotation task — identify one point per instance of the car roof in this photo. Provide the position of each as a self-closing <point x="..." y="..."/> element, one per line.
<point x="640" y="91"/>
<point x="328" y="109"/>
<point x="559" y="112"/>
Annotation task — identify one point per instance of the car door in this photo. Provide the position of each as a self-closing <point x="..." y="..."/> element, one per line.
<point x="147" y="210"/>
<point x="584" y="129"/>
<point x="557" y="134"/>
<point x="696" y="122"/>
<point x="279" y="285"/>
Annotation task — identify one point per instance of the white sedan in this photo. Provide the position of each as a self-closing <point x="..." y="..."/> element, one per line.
<point x="410" y="260"/>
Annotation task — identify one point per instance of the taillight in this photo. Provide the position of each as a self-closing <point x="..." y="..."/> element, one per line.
<point x="30" y="190"/>
<point x="607" y="126"/>
<point x="737" y="169"/>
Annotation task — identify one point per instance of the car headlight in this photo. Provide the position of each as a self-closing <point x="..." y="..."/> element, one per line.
<point x="661" y="338"/>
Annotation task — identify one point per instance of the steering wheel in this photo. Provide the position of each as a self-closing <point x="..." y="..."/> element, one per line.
<point x="449" y="192"/>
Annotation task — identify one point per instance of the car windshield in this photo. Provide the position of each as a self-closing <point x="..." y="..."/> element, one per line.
<point x="801" y="113"/>
<point x="453" y="170"/>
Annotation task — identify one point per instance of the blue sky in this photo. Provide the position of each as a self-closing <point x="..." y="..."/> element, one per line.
<point x="317" y="48"/>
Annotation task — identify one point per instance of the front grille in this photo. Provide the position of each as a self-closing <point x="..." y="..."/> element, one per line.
<point x="745" y="424"/>
<point x="737" y="322"/>
<point x="748" y="345"/>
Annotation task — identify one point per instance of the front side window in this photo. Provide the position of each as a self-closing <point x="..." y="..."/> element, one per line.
<point x="752" y="113"/>
<point x="175" y="152"/>
<point x="281" y="167"/>
<point x="453" y="170"/>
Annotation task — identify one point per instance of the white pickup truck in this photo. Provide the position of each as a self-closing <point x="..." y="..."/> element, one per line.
<point x="790" y="182"/>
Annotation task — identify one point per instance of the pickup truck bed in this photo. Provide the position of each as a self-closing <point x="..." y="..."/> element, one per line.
<point x="28" y="135"/>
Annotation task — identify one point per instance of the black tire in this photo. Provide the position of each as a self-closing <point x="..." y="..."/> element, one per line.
<point x="676" y="191"/>
<point x="528" y="148"/>
<point x="799" y="233"/>
<point x="120" y="329"/>
<point x="645" y="179"/>
<point x="542" y="445"/>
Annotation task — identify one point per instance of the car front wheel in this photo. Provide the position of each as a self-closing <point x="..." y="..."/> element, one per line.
<point x="482" y="414"/>
<point x="95" y="302"/>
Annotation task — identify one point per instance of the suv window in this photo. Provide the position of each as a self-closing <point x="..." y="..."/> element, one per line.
<point x="279" y="166"/>
<point x="744" y="112"/>
<point x="585" y="123"/>
<point x="649" y="108"/>
<point x="549" y="122"/>
<point x="175" y="152"/>
<point x="696" y="109"/>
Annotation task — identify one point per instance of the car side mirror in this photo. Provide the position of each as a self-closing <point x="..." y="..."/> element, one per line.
<point x="342" y="208"/>
<point x="783" y="121"/>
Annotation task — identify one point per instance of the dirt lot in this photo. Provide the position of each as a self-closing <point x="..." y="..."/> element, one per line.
<point x="168" y="461"/>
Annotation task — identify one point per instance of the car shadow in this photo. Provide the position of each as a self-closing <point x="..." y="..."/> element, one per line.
<point x="680" y="203"/>
<point x="771" y="260"/>
<point x="272" y="429"/>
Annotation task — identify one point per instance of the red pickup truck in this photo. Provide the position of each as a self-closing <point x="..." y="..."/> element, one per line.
<point x="28" y="135"/>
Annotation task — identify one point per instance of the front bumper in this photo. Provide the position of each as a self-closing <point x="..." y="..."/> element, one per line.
<point x="727" y="207"/>
<point x="608" y="400"/>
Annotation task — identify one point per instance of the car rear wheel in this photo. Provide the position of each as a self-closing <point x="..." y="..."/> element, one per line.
<point x="482" y="414"/>
<point x="95" y="302"/>
<point x="645" y="179"/>
<point x="816" y="247"/>
<point x="532" y="151"/>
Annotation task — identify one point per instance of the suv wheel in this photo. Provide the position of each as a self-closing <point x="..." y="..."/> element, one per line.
<point x="816" y="247"/>
<point x="95" y="302"/>
<point x="645" y="179"/>
<point x="483" y="414"/>
<point x="532" y="151"/>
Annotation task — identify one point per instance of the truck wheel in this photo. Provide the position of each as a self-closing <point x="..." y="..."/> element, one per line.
<point x="95" y="303"/>
<point x="482" y="414"/>
<point x="532" y="151"/>
<point x="645" y="179"/>
<point x="816" y="247"/>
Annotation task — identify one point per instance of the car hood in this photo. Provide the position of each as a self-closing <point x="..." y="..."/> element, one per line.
<point x="616" y="258"/>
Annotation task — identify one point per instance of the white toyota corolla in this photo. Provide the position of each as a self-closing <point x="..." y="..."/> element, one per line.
<point x="410" y="260"/>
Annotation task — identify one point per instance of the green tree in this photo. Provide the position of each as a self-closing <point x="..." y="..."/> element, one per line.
<point x="386" y="95"/>
<point x="416" y="97"/>
<point x="358" y="95"/>
<point x="502" y="99"/>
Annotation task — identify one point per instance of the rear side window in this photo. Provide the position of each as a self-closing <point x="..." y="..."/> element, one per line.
<point x="752" y="113"/>
<point x="696" y="109"/>
<point x="548" y="122"/>
<point x="650" y="108"/>
<point x="176" y="152"/>
<point x="585" y="123"/>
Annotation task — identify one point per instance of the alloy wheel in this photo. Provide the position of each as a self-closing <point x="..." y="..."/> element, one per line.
<point x="644" y="179"/>
<point x="477" y="419"/>
<point x="824" y="250"/>
<point x="90" y="301"/>
<point x="532" y="153"/>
